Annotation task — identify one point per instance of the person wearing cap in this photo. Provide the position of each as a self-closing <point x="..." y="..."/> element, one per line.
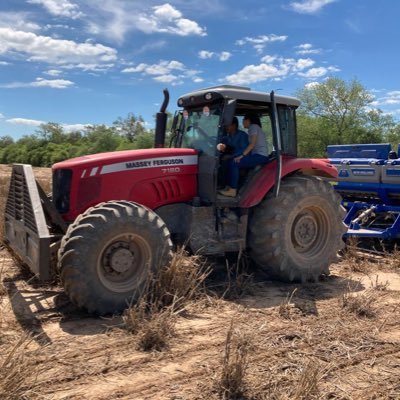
<point x="256" y="153"/>
<point x="232" y="145"/>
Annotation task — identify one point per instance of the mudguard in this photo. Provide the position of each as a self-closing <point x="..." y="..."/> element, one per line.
<point x="264" y="180"/>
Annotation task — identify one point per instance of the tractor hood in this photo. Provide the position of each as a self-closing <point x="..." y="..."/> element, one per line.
<point x="151" y="177"/>
<point x="131" y="158"/>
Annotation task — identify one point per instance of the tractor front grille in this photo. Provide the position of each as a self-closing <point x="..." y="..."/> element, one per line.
<point x="61" y="189"/>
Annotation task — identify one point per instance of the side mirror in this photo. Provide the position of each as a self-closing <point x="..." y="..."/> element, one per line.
<point x="229" y="112"/>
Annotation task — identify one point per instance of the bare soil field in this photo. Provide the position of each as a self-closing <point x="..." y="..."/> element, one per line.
<point x="242" y="337"/>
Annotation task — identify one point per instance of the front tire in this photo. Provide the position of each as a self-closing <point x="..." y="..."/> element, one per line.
<point x="108" y="253"/>
<point x="296" y="236"/>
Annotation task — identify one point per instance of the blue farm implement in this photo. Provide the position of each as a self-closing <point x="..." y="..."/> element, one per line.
<point x="369" y="183"/>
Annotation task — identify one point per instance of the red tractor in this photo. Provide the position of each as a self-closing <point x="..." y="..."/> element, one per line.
<point x="113" y="217"/>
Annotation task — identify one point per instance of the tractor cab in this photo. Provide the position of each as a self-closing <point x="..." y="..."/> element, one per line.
<point x="204" y="114"/>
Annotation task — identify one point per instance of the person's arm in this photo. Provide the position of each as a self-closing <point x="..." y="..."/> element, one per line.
<point x="241" y="143"/>
<point x="222" y="145"/>
<point x="250" y="147"/>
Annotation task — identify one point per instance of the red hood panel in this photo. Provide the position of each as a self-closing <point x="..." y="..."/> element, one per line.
<point x="100" y="159"/>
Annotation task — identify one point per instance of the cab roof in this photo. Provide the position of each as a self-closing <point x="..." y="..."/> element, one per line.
<point x="238" y="93"/>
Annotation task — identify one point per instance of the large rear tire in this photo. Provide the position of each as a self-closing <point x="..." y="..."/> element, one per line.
<point x="296" y="236"/>
<point x="108" y="252"/>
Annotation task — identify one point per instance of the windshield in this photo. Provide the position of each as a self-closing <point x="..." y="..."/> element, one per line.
<point x="201" y="128"/>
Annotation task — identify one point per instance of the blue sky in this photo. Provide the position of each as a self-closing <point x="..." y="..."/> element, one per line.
<point x="79" y="62"/>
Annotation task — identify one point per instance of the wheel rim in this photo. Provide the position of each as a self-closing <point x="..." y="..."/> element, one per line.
<point x="310" y="231"/>
<point x="123" y="262"/>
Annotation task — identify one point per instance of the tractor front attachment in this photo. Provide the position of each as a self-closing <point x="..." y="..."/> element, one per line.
<point x="33" y="227"/>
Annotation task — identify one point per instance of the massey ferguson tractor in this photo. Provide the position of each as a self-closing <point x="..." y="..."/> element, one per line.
<point x="112" y="218"/>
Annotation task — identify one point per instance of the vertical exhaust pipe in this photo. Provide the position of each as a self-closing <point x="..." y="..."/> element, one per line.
<point x="161" y="122"/>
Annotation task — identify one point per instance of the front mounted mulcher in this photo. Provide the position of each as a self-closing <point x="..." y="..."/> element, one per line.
<point x="33" y="227"/>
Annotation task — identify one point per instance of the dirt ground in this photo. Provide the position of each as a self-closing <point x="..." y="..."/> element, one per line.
<point x="336" y="339"/>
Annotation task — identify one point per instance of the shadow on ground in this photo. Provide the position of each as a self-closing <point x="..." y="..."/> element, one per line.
<point x="35" y="304"/>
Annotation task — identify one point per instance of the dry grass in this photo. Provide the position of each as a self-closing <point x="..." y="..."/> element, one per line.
<point x="153" y="327"/>
<point x="178" y="283"/>
<point x="286" y="307"/>
<point x="307" y="386"/>
<point x="156" y="332"/>
<point x="379" y="286"/>
<point x="17" y="373"/>
<point x="348" y="350"/>
<point x="3" y="289"/>
<point x="392" y="259"/>
<point x="238" y="281"/>
<point x="166" y="295"/>
<point x="354" y="260"/>
<point x="362" y="304"/>
<point x="231" y="384"/>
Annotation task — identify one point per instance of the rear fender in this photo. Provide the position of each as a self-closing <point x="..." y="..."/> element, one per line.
<point x="264" y="181"/>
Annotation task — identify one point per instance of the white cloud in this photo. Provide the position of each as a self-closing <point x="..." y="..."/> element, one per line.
<point x="223" y="56"/>
<point x="18" y="20"/>
<point x="36" y="123"/>
<point x="40" y="82"/>
<point x="162" y="68"/>
<point x="89" y="67"/>
<point x="167" y="19"/>
<point x="256" y="73"/>
<point x="311" y="85"/>
<point x="309" y="6"/>
<point x="307" y="48"/>
<point x="54" y="51"/>
<point x="277" y="68"/>
<point x="204" y="54"/>
<point x="317" y="72"/>
<point x="168" y="78"/>
<point x="395" y="93"/>
<point x="1" y="116"/>
<point x="4" y="63"/>
<point x="115" y="18"/>
<point x="389" y="98"/>
<point x="74" y="127"/>
<point x="303" y="63"/>
<point x="261" y="41"/>
<point x="24" y="121"/>
<point x="53" y="72"/>
<point x="60" y="8"/>
<point x="165" y="71"/>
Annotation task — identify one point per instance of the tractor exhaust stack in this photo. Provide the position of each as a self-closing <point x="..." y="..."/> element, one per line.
<point x="161" y="122"/>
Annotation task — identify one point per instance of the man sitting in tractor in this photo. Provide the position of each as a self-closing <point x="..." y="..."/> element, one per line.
<point x="232" y="145"/>
<point x="256" y="153"/>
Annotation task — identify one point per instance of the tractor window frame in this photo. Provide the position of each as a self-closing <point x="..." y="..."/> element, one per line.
<point x="287" y="123"/>
<point x="288" y="129"/>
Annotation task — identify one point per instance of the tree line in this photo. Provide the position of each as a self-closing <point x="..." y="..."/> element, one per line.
<point x="51" y="143"/>
<point x="332" y="112"/>
<point x="339" y="112"/>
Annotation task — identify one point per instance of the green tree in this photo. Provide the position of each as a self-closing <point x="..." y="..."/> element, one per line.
<point x="144" y="141"/>
<point x="130" y="127"/>
<point x="6" y="141"/>
<point x="342" y="105"/>
<point x="51" y="132"/>
<point x="101" y="139"/>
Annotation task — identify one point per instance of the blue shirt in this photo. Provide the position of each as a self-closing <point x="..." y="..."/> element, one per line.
<point x="236" y="142"/>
